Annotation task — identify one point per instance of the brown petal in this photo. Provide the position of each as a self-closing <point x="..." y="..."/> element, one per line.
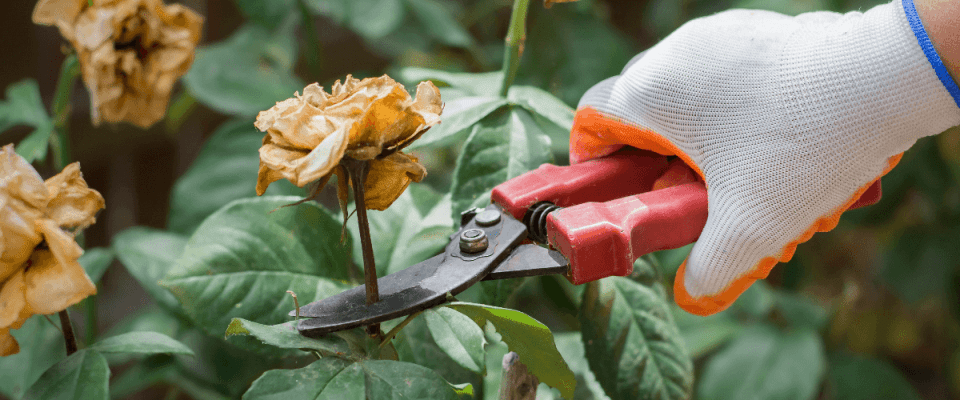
<point x="389" y="177"/>
<point x="72" y="203"/>
<point x="8" y="344"/>
<point x="52" y="285"/>
<point x="18" y="237"/>
<point x="60" y="13"/>
<point x="11" y="299"/>
<point x="298" y="166"/>
<point x="20" y="181"/>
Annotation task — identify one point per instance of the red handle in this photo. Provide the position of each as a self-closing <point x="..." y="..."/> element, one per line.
<point x="618" y="208"/>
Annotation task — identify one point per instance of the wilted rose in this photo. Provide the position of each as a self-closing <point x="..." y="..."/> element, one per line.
<point x="370" y="119"/>
<point x="131" y="52"/>
<point x="39" y="272"/>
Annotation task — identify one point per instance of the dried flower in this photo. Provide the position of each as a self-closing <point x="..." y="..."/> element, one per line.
<point x="131" y="52"/>
<point x="370" y="119"/>
<point x="39" y="272"/>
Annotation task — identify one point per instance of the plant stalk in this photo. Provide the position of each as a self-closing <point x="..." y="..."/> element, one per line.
<point x="357" y="170"/>
<point x="60" y="109"/>
<point x="516" y="35"/>
<point x="68" y="336"/>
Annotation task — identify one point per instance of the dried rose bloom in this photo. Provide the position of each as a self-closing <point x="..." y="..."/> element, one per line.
<point x="370" y="119"/>
<point x="131" y="52"/>
<point x="39" y="272"/>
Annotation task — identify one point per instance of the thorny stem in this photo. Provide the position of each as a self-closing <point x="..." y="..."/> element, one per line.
<point x="516" y="35"/>
<point x="60" y="110"/>
<point x="357" y="171"/>
<point x="68" y="336"/>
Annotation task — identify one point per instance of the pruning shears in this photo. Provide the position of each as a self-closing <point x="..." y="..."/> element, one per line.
<point x="586" y="222"/>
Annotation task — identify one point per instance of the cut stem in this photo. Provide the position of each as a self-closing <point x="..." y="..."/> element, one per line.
<point x="68" y="336"/>
<point x="516" y="34"/>
<point x="357" y="170"/>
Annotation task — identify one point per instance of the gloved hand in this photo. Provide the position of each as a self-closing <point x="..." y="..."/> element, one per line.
<point x="786" y="119"/>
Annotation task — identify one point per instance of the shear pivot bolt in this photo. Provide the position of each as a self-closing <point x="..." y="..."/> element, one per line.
<point x="488" y="218"/>
<point x="473" y="241"/>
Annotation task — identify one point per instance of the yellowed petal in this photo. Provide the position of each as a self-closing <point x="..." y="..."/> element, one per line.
<point x="59" y="13"/>
<point x="301" y="167"/>
<point x="8" y="344"/>
<point x="12" y="299"/>
<point x="22" y="202"/>
<point x="94" y="28"/>
<point x="52" y="286"/>
<point x="389" y="177"/>
<point x="72" y="203"/>
<point x="19" y="180"/>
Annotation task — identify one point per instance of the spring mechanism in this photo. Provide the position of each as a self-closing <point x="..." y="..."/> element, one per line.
<point x="536" y="220"/>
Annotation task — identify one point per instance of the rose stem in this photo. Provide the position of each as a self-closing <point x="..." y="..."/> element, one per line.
<point x="357" y="170"/>
<point x="68" y="336"/>
<point x="516" y="34"/>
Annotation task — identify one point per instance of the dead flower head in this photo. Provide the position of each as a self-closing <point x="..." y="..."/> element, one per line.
<point x="131" y="52"/>
<point x="39" y="272"/>
<point x="370" y="119"/>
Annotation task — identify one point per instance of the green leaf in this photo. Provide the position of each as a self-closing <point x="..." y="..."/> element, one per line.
<point x="374" y="19"/>
<point x="485" y="84"/>
<point x="225" y="170"/>
<point x="148" y="254"/>
<point x="853" y="377"/>
<point x="800" y="311"/>
<point x="241" y="261"/>
<point x="334" y="378"/>
<point x="438" y="21"/>
<point x="765" y="363"/>
<point x="502" y="146"/>
<point x="23" y="106"/>
<point x="541" y="102"/>
<point x="457" y="336"/>
<point x="41" y="346"/>
<point x="82" y="376"/>
<point x="405" y="234"/>
<point x="458" y="117"/>
<point x="246" y="73"/>
<point x="704" y="334"/>
<point x="529" y="338"/>
<point x="267" y="13"/>
<point x="632" y="344"/>
<point x="571" y="347"/>
<point x="95" y="261"/>
<point x="914" y="268"/>
<point x="415" y="344"/>
<point x="141" y="342"/>
<point x="286" y="336"/>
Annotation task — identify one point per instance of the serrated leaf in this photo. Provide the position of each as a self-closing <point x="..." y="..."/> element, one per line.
<point x="286" y="336"/>
<point x="458" y="117"/>
<point x="853" y="377"/>
<point x="141" y="342"/>
<point x="246" y="73"/>
<point x="82" y="376"/>
<point x="148" y="254"/>
<point x="765" y="363"/>
<point x="541" y="102"/>
<point x="332" y="378"/>
<point x="225" y="170"/>
<point x="415" y="344"/>
<point x="440" y="23"/>
<point x="23" y="106"/>
<point x="241" y="261"/>
<point x="41" y="346"/>
<point x="502" y="146"/>
<point x="95" y="261"/>
<point x="529" y="338"/>
<point x="571" y="347"/>
<point x="458" y="336"/>
<point x="704" y="334"/>
<point x="632" y="344"/>
<point x="404" y="234"/>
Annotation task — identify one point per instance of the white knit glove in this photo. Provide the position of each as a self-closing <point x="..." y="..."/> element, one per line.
<point x="787" y="119"/>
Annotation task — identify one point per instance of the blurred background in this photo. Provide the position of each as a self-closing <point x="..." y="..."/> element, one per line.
<point x="884" y="285"/>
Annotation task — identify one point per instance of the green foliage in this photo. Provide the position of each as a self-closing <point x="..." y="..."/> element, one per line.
<point x="224" y="171"/>
<point x="24" y="107"/>
<point x="764" y="363"/>
<point x="95" y="261"/>
<point x="458" y="337"/>
<point x="81" y="376"/>
<point x="631" y="342"/>
<point x="141" y="342"/>
<point x="858" y="378"/>
<point x="241" y="261"/>
<point x="41" y="346"/>
<point x="147" y="254"/>
<point x="246" y="73"/>
<point x="285" y="336"/>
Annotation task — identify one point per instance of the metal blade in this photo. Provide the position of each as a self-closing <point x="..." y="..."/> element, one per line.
<point x="530" y="260"/>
